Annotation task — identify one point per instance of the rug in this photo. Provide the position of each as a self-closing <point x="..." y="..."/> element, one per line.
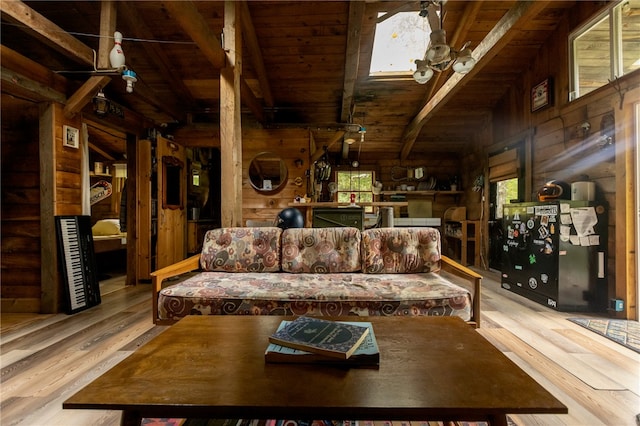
<point x="626" y="333"/>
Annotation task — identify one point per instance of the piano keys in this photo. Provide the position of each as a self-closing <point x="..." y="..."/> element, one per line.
<point x="77" y="261"/>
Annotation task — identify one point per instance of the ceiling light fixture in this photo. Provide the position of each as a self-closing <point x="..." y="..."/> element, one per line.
<point x="439" y="55"/>
<point x="351" y="129"/>
<point x="100" y="103"/>
<point x="130" y="77"/>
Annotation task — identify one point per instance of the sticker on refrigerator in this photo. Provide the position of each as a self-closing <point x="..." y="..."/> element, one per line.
<point x="533" y="283"/>
<point x="543" y="232"/>
<point x="584" y="219"/>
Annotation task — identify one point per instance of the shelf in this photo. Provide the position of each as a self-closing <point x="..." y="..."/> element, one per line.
<point x="421" y="192"/>
<point x="363" y="204"/>
<point x="92" y="174"/>
<point x="469" y="239"/>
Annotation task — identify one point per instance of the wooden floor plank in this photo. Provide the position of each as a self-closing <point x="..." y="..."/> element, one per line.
<point x="45" y="359"/>
<point x="578" y="415"/>
<point x="539" y="342"/>
<point x="626" y="361"/>
<point x="573" y="392"/>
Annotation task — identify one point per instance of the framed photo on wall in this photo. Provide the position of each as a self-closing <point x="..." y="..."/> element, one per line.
<point x="70" y="137"/>
<point x="542" y="94"/>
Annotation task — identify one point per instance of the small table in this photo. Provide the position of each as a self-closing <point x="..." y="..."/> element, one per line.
<point x="431" y="368"/>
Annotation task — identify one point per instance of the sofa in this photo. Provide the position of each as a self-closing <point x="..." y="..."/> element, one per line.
<point x="337" y="271"/>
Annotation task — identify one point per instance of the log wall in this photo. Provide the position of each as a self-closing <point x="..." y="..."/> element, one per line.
<point x="568" y="142"/>
<point x="290" y="145"/>
<point x="20" y="207"/>
<point x="40" y="179"/>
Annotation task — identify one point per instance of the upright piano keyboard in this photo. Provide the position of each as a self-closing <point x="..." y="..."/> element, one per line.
<point x="75" y="243"/>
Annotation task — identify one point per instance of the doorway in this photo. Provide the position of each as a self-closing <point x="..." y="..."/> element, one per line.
<point x="500" y="193"/>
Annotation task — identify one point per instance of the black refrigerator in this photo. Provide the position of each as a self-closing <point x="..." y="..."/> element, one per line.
<point x="554" y="253"/>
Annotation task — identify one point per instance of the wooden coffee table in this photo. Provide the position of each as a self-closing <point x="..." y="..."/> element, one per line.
<point x="431" y="368"/>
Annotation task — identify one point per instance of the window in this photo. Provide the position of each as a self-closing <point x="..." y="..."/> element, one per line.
<point x="357" y="182"/>
<point x="605" y="48"/>
<point x="506" y="190"/>
<point x="399" y="40"/>
<point x="505" y="169"/>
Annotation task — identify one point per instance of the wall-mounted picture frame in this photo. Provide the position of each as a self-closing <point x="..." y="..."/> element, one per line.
<point x="542" y="94"/>
<point x="70" y="137"/>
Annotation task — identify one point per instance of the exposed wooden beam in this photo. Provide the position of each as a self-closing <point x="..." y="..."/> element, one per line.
<point x="60" y="40"/>
<point x="351" y="62"/>
<point x="133" y="122"/>
<point x="462" y="29"/>
<point x="255" y="54"/>
<point x="156" y="54"/>
<point x="334" y="139"/>
<point x="408" y="6"/>
<point x="194" y="24"/>
<point x="47" y="31"/>
<point x="503" y="32"/>
<point x="101" y="151"/>
<point x="108" y="16"/>
<point x="352" y="56"/>
<point x="251" y="101"/>
<point x="83" y="96"/>
<point x="20" y="85"/>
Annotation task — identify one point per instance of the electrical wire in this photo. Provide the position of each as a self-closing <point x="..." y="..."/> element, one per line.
<point x="129" y="39"/>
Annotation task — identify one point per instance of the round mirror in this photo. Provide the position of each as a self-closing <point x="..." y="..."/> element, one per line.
<point x="267" y="172"/>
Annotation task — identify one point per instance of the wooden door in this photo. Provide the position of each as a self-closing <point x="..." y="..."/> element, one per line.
<point x="172" y="199"/>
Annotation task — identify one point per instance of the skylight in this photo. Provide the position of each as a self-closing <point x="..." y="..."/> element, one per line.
<point x="398" y="42"/>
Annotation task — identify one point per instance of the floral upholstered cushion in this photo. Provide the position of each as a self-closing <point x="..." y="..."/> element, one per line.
<point x="400" y="250"/>
<point x="321" y="250"/>
<point x="326" y="294"/>
<point x="241" y="250"/>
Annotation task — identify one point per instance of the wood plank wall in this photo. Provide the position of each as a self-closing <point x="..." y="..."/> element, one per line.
<point x="442" y="166"/>
<point x="29" y="242"/>
<point x="20" y="207"/>
<point x="566" y="137"/>
<point x="294" y="144"/>
<point x="290" y="145"/>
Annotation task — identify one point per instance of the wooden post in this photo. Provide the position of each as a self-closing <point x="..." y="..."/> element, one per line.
<point x="108" y="16"/>
<point x="132" y="209"/>
<point x="49" y="277"/>
<point x="626" y="232"/>
<point x="230" y="121"/>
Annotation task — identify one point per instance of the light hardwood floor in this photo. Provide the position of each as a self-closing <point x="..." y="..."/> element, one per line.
<point x="46" y="358"/>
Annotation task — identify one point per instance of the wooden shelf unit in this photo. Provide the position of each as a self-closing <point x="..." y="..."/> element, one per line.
<point x="468" y="238"/>
<point x="432" y="193"/>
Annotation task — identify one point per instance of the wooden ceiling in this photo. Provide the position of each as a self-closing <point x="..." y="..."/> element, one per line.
<point x="305" y="64"/>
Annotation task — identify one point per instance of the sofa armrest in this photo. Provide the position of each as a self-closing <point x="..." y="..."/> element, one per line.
<point x="157" y="277"/>
<point x="451" y="266"/>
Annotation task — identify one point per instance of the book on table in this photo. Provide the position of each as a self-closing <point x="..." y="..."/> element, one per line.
<point x="329" y="338"/>
<point x="366" y="354"/>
